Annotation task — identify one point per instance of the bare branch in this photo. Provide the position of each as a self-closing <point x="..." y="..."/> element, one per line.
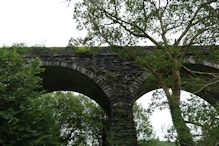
<point x="200" y="73"/>
<point x="206" y="85"/>
<point x="194" y="123"/>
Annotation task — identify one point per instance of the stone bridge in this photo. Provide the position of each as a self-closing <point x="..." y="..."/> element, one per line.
<point x="114" y="83"/>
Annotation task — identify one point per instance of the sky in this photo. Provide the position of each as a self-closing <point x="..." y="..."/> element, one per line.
<point x="36" y="22"/>
<point x="49" y="23"/>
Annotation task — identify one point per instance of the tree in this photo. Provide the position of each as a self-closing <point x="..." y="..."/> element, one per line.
<point x="204" y="119"/>
<point x="145" y="133"/>
<point x="18" y="86"/>
<point x="173" y="26"/>
<point x="200" y="116"/>
<point x="79" y="120"/>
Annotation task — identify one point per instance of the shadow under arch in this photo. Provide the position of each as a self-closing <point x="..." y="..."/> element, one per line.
<point x="58" y="78"/>
<point x="212" y="97"/>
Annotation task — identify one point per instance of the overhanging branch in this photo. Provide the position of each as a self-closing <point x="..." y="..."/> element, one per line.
<point x="121" y="22"/>
<point x="200" y="73"/>
<point x="206" y="85"/>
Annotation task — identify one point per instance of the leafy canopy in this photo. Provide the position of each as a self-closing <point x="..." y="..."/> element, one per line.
<point x="18" y="86"/>
<point x="174" y="27"/>
<point x="163" y="22"/>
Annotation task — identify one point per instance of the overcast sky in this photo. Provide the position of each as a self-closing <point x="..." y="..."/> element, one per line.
<point x="50" y="23"/>
<point x="46" y="22"/>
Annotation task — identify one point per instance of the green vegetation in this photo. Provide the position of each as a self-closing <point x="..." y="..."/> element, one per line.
<point x="36" y="50"/>
<point x="86" y="50"/>
<point x="18" y="86"/>
<point x="174" y="27"/>
<point x="155" y="143"/>
<point x="42" y="50"/>
<point x="202" y="116"/>
<point x="143" y="126"/>
<point x="28" y="116"/>
<point x="77" y="119"/>
<point x="165" y="143"/>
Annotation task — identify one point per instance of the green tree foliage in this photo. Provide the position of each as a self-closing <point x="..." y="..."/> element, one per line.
<point x="173" y="26"/>
<point x="18" y="86"/>
<point x="144" y="129"/>
<point x="29" y="118"/>
<point x="204" y="120"/>
<point x="77" y="119"/>
<point x="201" y="117"/>
<point x="82" y="122"/>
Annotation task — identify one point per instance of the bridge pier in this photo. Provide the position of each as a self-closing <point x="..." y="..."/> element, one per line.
<point x="122" y="130"/>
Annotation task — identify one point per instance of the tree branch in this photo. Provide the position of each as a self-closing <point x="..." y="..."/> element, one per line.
<point x="190" y="24"/>
<point x="194" y="123"/>
<point x="121" y="21"/>
<point x="158" y="77"/>
<point x="187" y="47"/>
<point x="206" y="85"/>
<point x="163" y="29"/>
<point x="198" y="72"/>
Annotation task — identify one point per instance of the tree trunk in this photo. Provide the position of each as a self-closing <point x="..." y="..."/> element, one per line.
<point x="184" y="135"/>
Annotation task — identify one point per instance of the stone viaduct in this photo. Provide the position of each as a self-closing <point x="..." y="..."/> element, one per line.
<point x="114" y="83"/>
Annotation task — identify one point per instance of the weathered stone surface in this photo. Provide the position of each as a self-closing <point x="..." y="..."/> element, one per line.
<point x="114" y="83"/>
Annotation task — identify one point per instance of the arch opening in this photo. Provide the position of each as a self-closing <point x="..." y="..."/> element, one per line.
<point x="193" y="108"/>
<point x="74" y="117"/>
<point x="211" y="96"/>
<point x="206" y="96"/>
<point x="57" y="78"/>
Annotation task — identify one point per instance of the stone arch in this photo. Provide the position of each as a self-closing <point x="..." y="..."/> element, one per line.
<point x="191" y="60"/>
<point x="71" y="77"/>
<point x="149" y="84"/>
<point x="211" y="97"/>
<point x="138" y="88"/>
